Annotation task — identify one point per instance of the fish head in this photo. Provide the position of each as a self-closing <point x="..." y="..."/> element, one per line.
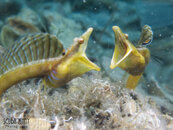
<point x="126" y="55"/>
<point x="123" y="48"/>
<point x="75" y="62"/>
<point x="77" y="54"/>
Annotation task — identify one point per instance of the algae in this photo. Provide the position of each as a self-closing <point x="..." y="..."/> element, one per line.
<point x="88" y="102"/>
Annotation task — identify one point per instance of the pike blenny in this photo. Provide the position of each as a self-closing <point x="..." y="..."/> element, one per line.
<point x="42" y="55"/>
<point x="132" y="59"/>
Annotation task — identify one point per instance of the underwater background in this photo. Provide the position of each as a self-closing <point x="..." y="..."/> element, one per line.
<point x="103" y="93"/>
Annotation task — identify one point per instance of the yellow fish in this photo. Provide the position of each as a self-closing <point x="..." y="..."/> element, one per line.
<point x="130" y="58"/>
<point x="42" y="55"/>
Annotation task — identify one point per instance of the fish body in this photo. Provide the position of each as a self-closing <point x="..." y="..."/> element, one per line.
<point x="30" y="57"/>
<point x="129" y="58"/>
<point x="42" y="55"/>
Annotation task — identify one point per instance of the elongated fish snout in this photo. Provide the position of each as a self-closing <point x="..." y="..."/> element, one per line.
<point x="82" y="49"/>
<point x="119" y="35"/>
<point x="84" y="40"/>
<point x="87" y="34"/>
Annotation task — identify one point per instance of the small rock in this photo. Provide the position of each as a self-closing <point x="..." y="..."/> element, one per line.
<point x="129" y="108"/>
<point x="15" y="28"/>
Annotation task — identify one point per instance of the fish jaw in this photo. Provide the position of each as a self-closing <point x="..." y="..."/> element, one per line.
<point x="126" y="55"/>
<point x="80" y="55"/>
<point x="129" y="58"/>
<point x="85" y="37"/>
<point x="123" y="47"/>
<point x="74" y="63"/>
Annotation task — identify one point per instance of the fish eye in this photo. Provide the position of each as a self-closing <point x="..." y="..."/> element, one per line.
<point x="147" y="42"/>
<point x="63" y="53"/>
<point x="80" y="40"/>
<point x="126" y="35"/>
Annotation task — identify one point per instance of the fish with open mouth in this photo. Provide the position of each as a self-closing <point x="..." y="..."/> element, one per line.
<point x="132" y="59"/>
<point x="43" y="55"/>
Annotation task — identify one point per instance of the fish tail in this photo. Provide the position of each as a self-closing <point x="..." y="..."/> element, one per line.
<point x="132" y="81"/>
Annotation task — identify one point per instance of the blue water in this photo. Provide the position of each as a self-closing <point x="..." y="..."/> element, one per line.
<point x="69" y="19"/>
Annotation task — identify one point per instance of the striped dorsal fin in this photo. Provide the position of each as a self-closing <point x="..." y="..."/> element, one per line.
<point x="31" y="48"/>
